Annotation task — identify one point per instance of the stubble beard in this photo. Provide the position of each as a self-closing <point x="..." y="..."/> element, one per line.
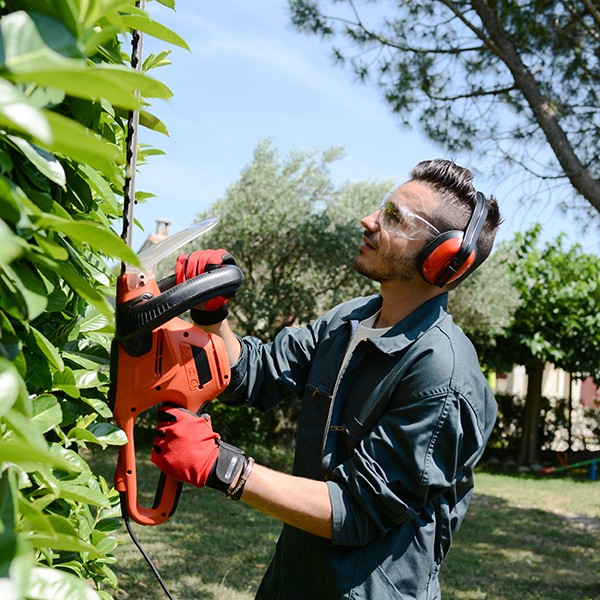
<point x="394" y="268"/>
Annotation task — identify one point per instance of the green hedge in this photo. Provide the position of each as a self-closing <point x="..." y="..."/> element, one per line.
<point x="65" y="89"/>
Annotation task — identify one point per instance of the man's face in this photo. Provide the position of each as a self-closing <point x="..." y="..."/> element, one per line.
<point x="387" y="254"/>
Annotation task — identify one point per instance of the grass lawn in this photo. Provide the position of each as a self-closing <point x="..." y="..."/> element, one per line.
<point x="524" y="538"/>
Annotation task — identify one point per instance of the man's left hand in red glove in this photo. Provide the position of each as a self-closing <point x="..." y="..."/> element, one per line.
<point x="187" y="449"/>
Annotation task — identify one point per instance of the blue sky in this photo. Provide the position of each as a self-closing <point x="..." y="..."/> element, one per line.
<point x="250" y="76"/>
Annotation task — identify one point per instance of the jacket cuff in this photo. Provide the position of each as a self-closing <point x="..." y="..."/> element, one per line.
<point x="344" y="532"/>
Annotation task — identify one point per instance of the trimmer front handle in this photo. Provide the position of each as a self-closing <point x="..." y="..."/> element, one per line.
<point x="139" y="316"/>
<point x="158" y="357"/>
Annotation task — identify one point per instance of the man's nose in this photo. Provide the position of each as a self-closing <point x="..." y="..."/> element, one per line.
<point x="371" y="222"/>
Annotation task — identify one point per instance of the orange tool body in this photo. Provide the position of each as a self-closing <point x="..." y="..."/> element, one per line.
<point x="158" y="357"/>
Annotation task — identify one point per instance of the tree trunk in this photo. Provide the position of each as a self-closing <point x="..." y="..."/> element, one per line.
<point x="501" y="44"/>
<point x="528" y="446"/>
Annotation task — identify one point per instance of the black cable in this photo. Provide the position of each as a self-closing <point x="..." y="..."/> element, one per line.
<point x="139" y="547"/>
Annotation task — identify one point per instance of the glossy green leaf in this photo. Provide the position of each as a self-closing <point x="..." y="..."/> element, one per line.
<point x="36" y="42"/>
<point x="65" y="381"/>
<point x="45" y="97"/>
<point x="79" y="143"/>
<point x="30" y="287"/>
<point x="8" y="502"/>
<point x="66" y="456"/>
<point x="21" y="453"/>
<point x="86" y="379"/>
<point x="154" y="61"/>
<point x="108" y="434"/>
<point x="10" y="386"/>
<point x="94" y="235"/>
<point x="47" y="164"/>
<point x="11" y="246"/>
<point x="108" y="525"/>
<point x="99" y="406"/>
<point x="63" y="526"/>
<point x="50" y="247"/>
<point x="86" y="291"/>
<point x="16" y="558"/>
<point x="110" y="575"/>
<point x="49" y="350"/>
<point x="46" y="412"/>
<point x="16" y="112"/>
<point x="86" y="354"/>
<point x="151" y="122"/>
<point x="20" y="425"/>
<point x="37" y="519"/>
<point x="80" y="493"/>
<point x="155" y="29"/>
<point x="147" y="86"/>
<point x="59" y="541"/>
<point x="101" y="186"/>
<point x="92" y="320"/>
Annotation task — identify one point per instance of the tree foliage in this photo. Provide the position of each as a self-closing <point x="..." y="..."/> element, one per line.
<point x="294" y="235"/>
<point x="484" y="76"/>
<point x="529" y="305"/>
<point x="558" y="321"/>
<point x="66" y="86"/>
<point x="484" y="304"/>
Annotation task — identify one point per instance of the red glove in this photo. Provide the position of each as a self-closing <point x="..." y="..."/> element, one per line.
<point x="204" y="261"/>
<point x="187" y="448"/>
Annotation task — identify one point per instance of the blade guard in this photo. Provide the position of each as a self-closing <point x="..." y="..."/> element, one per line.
<point x="162" y="358"/>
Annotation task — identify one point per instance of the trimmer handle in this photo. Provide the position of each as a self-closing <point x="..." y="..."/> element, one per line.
<point x="137" y="318"/>
<point x="157" y="358"/>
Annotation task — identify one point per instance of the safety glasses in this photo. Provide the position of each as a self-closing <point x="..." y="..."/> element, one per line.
<point x="397" y="219"/>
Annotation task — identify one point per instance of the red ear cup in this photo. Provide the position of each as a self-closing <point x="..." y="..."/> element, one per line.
<point x="437" y="255"/>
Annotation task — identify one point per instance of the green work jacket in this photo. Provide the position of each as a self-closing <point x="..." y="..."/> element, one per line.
<point x="396" y="442"/>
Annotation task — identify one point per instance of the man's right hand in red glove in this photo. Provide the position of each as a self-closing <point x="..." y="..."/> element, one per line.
<point x="204" y="261"/>
<point x="187" y="448"/>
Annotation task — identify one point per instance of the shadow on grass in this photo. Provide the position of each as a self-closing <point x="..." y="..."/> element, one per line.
<point x="507" y="553"/>
<point x="210" y="549"/>
<point x="214" y="549"/>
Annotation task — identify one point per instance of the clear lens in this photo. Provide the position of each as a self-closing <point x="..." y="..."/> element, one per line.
<point x="397" y="219"/>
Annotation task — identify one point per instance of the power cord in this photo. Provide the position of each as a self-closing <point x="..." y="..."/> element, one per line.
<point x="139" y="547"/>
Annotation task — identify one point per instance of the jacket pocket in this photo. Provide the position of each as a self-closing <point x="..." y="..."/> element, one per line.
<point x="353" y="431"/>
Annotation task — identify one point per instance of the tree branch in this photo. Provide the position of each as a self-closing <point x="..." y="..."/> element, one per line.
<point x="385" y="42"/>
<point x="475" y="94"/>
<point x="478" y="32"/>
<point x="578" y="18"/>
<point x="580" y="177"/>
<point x="589" y="4"/>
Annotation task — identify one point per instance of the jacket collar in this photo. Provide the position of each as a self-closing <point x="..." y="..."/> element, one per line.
<point x="410" y="328"/>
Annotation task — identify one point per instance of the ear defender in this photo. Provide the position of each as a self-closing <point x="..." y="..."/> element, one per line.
<point x="450" y="254"/>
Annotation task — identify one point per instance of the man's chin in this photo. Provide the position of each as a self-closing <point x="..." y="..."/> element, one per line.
<point x="364" y="270"/>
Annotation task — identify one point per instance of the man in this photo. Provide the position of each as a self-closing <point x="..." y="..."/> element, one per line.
<point x="395" y="410"/>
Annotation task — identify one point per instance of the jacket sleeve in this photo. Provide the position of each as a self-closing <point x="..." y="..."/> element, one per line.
<point x="416" y="452"/>
<point x="266" y="374"/>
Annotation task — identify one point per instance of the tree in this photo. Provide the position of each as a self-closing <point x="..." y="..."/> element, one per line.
<point x="66" y="89"/>
<point x="294" y="235"/>
<point x="484" y="305"/>
<point x="557" y="321"/>
<point x="512" y="79"/>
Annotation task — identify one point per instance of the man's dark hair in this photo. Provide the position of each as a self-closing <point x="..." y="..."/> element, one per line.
<point x="454" y="187"/>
